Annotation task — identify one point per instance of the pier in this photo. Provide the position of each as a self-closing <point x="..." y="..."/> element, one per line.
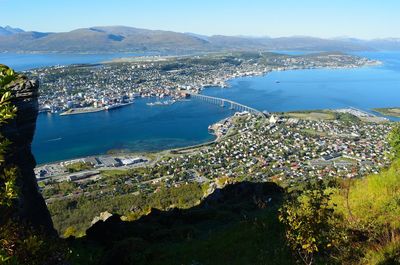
<point x="222" y="102"/>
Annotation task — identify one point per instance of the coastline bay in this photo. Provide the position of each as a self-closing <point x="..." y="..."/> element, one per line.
<point x="140" y="128"/>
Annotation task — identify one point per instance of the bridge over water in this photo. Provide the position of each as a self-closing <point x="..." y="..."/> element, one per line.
<point x="233" y="105"/>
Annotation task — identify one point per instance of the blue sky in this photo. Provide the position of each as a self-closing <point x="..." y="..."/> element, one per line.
<point x="320" y="18"/>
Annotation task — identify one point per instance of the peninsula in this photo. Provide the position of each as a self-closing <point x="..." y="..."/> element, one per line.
<point x="394" y="112"/>
<point x="88" y="88"/>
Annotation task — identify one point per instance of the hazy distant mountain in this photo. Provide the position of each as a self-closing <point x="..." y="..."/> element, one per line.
<point x="102" y="39"/>
<point x="385" y="44"/>
<point x="128" y="39"/>
<point x="390" y="44"/>
<point x="7" y="31"/>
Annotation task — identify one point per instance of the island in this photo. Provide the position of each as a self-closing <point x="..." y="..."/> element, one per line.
<point x="86" y="88"/>
<point x="393" y="112"/>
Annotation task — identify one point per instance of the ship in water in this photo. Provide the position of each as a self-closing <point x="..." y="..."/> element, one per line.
<point x="161" y="103"/>
<point x="116" y="105"/>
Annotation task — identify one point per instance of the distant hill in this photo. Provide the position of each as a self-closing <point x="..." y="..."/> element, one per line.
<point x="388" y="44"/>
<point x="129" y="39"/>
<point x="103" y="39"/>
<point x="7" y="31"/>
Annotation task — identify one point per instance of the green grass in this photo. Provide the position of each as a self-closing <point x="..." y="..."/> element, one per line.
<point x="395" y="112"/>
<point x="78" y="166"/>
<point x="371" y="210"/>
<point x="312" y="115"/>
<point x="114" y="172"/>
<point x="386" y="255"/>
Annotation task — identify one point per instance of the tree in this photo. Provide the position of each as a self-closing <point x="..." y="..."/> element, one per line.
<point x="8" y="191"/>
<point x="311" y="225"/>
<point x="394" y="140"/>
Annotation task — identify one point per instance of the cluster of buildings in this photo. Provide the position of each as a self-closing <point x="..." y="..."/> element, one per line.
<point x="249" y="147"/>
<point x="288" y="149"/>
<point x="59" y="171"/>
<point x="332" y="61"/>
<point x="363" y="115"/>
<point x="106" y="85"/>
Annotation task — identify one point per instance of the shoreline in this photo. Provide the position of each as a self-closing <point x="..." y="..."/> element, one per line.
<point x="389" y="111"/>
<point x="180" y="150"/>
<point x="77" y="111"/>
<point x="225" y="80"/>
<point x="221" y="84"/>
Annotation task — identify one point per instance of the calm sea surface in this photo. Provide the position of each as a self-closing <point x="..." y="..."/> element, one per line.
<point x="365" y="88"/>
<point x="21" y="62"/>
<point x="139" y="127"/>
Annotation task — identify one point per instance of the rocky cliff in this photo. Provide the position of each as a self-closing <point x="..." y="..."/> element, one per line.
<point x="237" y="224"/>
<point x="20" y="131"/>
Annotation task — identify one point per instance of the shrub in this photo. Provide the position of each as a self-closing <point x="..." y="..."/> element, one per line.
<point x="312" y="228"/>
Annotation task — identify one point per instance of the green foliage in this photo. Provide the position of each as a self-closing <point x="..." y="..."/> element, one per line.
<point x="371" y="208"/>
<point x="347" y="117"/>
<point x="78" y="166"/>
<point x="394" y="140"/>
<point x="312" y="229"/>
<point x="386" y="255"/>
<point x="70" y="231"/>
<point x="7" y="75"/>
<point x="8" y="174"/>
<point x="7" y="110"/>
<point x="79" y="212"/>
<point x="8" y="190"/>
<point x="20" y="244"/>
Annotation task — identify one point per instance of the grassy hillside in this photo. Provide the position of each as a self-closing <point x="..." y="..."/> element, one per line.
<point x="239" y="227"/>
<point x="371" y="211"/>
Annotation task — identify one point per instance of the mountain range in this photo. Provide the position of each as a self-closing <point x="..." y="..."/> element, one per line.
<point x="129" y="39"/>
<point x="7" y="31"/>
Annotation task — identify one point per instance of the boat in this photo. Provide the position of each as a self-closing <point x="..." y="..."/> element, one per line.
<point x="116" y="105"/>
<point x="161" y="103"/>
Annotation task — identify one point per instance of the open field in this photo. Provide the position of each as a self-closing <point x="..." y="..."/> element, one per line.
<point x="312" y="115"/>
<point x="395" y="112"/>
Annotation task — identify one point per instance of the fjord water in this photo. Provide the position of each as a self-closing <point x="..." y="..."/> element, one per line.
<point x="364" y="88"/>
<point x="136" y="127"/>
<point x="25" y="61"/>
<point x="139" y="127"/>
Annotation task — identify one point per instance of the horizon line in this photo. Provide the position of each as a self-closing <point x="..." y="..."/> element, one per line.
<point x="344" y="37"/>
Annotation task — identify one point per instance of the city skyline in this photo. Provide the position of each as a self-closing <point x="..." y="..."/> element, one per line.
<point x="358" y="19"/>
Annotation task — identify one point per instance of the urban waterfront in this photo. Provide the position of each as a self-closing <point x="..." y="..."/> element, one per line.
<point x="365" y="88"/>
<point x="139" y="127"/>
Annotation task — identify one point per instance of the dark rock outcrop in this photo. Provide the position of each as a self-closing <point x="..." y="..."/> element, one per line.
<point x="222" y="218"/>
<point x="222" y="206"/>
<point x="31" y="206"/>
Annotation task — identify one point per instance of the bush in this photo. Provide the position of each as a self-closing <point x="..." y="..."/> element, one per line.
<point x="78" y="166"/>
<point x="394" y="141"/>
<point x="313" y="230"/>
<point x="20" y="244"/>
